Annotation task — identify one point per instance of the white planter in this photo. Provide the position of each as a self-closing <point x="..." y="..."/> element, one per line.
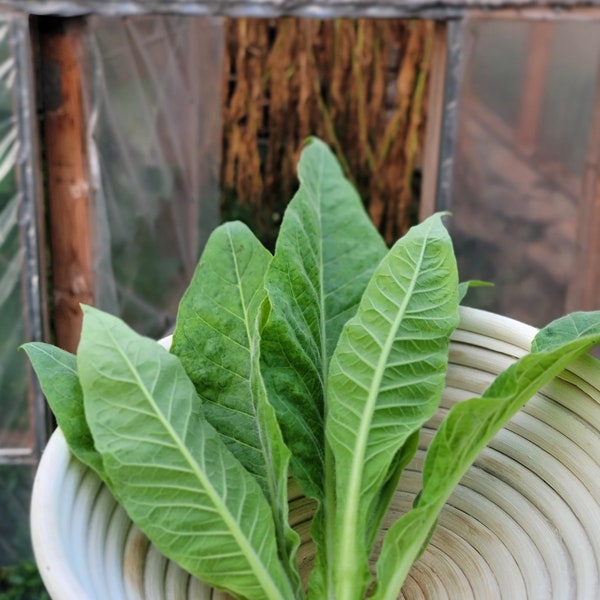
<point x="523" y="524"/>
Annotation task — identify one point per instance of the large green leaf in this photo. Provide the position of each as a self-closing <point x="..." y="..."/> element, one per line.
<point x="217" y="339"/>
<point x="467" y="429"/>
<point x="386" y="379"/>
<point x="56" y="370"/>
<point x="326" y="252"/>
<point x="173" y="473"/>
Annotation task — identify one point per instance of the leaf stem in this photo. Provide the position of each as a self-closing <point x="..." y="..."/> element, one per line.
<point x="348" y="556"/>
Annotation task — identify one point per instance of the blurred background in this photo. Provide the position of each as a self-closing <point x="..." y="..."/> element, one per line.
<point x="125" y="139"/>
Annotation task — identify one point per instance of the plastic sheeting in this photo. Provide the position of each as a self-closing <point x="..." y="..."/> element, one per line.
<point x="16" y="419"/>
<point x="154" y="131"/>
<point x="22" y="414"/>
<point x="155" y="127"/>
<point x="525" y="131"/>
<point x="263" y="8"/>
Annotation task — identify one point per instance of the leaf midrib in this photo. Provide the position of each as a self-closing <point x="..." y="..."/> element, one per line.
<point x="265" y="448"/>
<point x="348" y="548"/>
<point x="329" y="465"/>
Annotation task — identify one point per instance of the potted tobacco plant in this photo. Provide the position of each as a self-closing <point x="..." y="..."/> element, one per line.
<point x="318" y="367"/>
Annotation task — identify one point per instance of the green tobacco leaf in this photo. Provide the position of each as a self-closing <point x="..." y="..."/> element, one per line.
<point x="467" y="429"/>
<point x="385" y="381"/>
<point x="174" y="475"/>
<point x="214" y="338"/>
<point x="567" y="328"/>
<point x="217" y="339"/>
<point x="56" y="370"/>
<point x="326" y="252"/>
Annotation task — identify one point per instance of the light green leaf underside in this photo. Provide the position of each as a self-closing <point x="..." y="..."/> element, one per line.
<point x="385" y="381"/>
<point x="326" y="252"/>
<point x="173" y="473"/>
<point x="56" y="370"/>
<point x="217" y="339"/>
<point x="567" y="328"/>
<point x="467" y="429"/>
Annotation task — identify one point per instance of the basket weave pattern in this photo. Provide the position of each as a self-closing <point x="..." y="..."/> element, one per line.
<point x="523" y="524"/>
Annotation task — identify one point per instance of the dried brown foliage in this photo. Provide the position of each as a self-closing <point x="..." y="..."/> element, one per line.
<point x="358" y="84"/>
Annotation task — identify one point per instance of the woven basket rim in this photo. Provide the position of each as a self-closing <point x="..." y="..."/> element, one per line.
<point x="541" y="526"/>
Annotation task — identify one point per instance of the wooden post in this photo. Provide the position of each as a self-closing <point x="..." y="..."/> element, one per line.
<point x="69" y="202"/>
<point x="584" y="288"/>
<point x="534" y="85"/>
<point x="435" y="114"/>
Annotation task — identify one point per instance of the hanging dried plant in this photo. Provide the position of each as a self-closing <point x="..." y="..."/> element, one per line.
<point x="358" y="84"/>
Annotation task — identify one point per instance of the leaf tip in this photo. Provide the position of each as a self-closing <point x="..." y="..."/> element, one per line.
<point x="29" y="348"/>
<point x="87" y="308"/>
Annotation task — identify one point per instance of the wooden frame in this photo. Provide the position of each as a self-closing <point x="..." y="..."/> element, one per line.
<point x="435" y="116"/>
<point x="67" y="164"/>
<point x="65" y="127"/>
<point x="69" y="204"/>
<point x="583" y="293"/>
<point x="410" y="9"/>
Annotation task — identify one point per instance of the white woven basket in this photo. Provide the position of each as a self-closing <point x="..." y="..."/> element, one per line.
<point x="523" y="524"/>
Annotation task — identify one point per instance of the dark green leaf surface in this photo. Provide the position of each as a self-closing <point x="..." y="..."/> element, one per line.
<point x="217" y="339"/>
<point x="214" y="337"/>
<point x="174" y="475"/>
<point x="386" y="380"/>
<point x="326" y="252"/>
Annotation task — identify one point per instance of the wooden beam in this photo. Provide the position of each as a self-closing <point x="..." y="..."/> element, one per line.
<point x="68" y="189"/>
<point x="584" y="288"/>
<point x="533" y="85"/>
<point x="391" y="9"/>
<point x="435" y="118"/>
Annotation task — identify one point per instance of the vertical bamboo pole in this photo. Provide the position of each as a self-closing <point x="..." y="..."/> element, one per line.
<point x="68" y="189"/>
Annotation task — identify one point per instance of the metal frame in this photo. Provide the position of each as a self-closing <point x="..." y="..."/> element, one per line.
<point x="36" y="318"/>
<point x="454" y="63"/>
<point x="31" y="228"/>
<point x="323" y="9"/>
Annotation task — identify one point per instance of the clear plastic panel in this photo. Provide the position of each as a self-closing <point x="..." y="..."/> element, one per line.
<point x="19" y="281"/>
<point x="15" y="416"/>
<point x="526" y="108"/>
<point x="155" y="99"/>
